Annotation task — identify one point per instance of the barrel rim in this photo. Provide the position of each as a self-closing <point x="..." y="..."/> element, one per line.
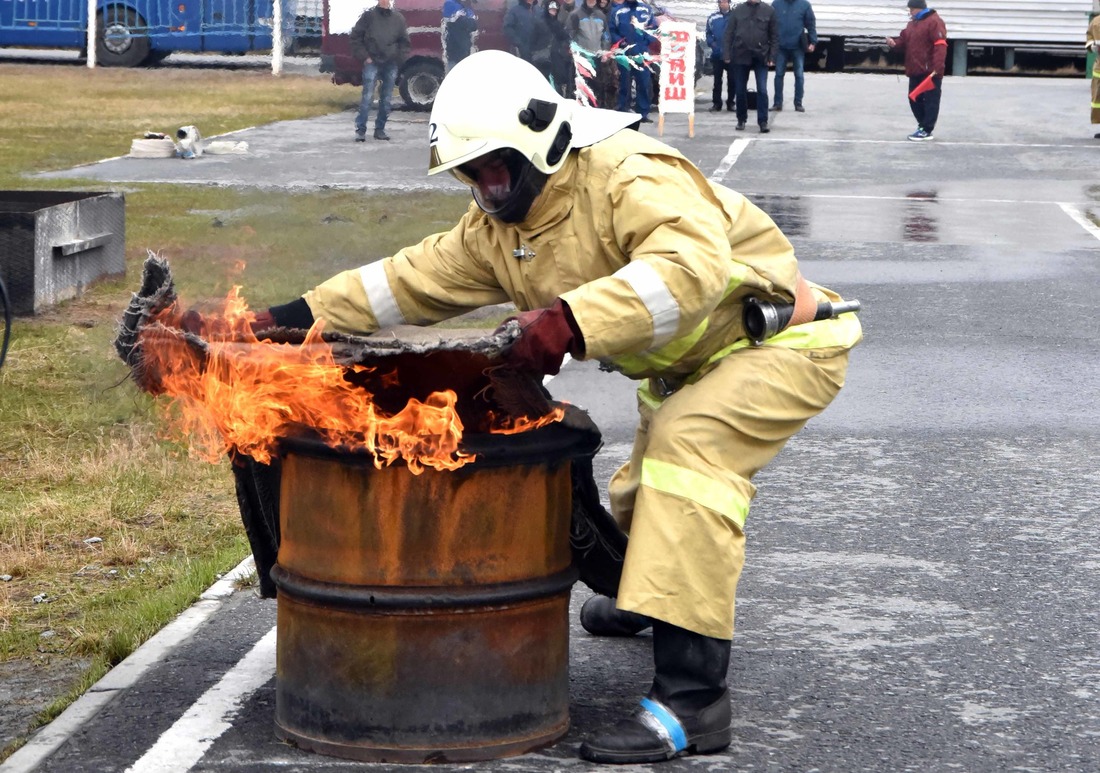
<point x="549" y="445"/>
<point x="406" y="597"/>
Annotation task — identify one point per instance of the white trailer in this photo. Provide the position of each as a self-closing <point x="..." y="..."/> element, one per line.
<point x="1057" y="25"/>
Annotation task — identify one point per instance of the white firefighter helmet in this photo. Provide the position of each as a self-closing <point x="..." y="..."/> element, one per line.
<point x="494" y="108"/>
<point x="493" y="100"/>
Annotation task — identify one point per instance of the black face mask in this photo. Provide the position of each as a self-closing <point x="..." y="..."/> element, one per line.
<point x="511" y="203"/>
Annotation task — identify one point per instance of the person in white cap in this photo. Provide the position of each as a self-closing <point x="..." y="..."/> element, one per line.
<point x="617" y="248"/>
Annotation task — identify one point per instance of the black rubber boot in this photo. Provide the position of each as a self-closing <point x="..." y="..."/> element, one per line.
<point x="600" y="617"/>
<point x="688" y="708"/>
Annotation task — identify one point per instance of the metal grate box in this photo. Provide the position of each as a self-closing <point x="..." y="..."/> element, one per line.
<point x="54" y="244"/>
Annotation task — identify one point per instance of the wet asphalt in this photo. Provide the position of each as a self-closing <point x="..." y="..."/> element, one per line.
<point x="921" y="587"/>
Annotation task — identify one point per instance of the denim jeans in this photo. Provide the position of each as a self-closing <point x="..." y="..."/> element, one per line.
<point x="798" y="58"/>
<point x="741" y="73"/>
<point x="387" y="74"/>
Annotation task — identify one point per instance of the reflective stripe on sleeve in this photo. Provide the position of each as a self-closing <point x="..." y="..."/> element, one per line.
<point x="696" y="487"/>
<point x="382" y="301"/>
<point x="655" y="296"/>
<point x="664" y="357"/>
<point x="671" y="353"/>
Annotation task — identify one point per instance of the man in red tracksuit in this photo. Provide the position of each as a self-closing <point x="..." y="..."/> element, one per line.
<point x="924" y="41"/>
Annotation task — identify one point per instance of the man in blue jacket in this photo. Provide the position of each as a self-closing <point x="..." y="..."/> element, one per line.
<point x="629" y="26"/>
<point x="459" y="25"/>
<point x="792" y="19"/>
<point x="716" y="29"/>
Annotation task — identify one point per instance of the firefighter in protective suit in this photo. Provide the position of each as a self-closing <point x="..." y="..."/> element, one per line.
<point x="615" y="247"/>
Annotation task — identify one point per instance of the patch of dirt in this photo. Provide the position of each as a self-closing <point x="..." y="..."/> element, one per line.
<point x="29" y="686"/>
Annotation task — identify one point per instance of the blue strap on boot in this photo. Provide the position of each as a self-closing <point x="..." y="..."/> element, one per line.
<point x="664" y="723"/>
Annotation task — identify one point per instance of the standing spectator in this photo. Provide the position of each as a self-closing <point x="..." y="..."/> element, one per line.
<point x="924" y="41"/>
<point x="1092" y="43"/>
<point x="519" y="27"/>
<point x="459" y="27"/>
<point x="715" y="32"/>
<point x="550" y="49"/>
<point x="587" y="27"/>
<point x="607" y="74"/>
<point x="796" y="27"/>
<point x="380" y="40"/>
<point x="631" y="24"/>
<point x="750" y="41"/>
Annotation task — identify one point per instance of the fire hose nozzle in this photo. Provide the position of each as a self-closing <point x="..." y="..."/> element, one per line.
<point x="762" y="319"/>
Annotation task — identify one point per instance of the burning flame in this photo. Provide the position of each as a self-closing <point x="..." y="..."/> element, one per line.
<point x="243" y="394"/>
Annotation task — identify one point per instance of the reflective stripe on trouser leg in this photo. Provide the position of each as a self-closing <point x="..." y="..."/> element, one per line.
<point x="692" y="462"/>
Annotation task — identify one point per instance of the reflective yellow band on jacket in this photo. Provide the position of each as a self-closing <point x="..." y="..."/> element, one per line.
<point x="669" y="354"/>
<point x="662" y="358"/>
<point x="696" y="487"/>
<point x="382" y="301"/>
<point x="654" y="294"/>
<point x="845" y="330"/>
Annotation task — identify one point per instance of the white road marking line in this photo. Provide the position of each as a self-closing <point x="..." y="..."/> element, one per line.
<point x="937" y="142"/>
<point x="737" y="147"/>
<point x="124" y="675"/>
<point x="182" y="745"/>
<point x="1080" y="218"/>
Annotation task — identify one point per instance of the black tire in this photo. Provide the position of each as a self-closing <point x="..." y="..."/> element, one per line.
<point x="419" y="81"/>
<point x="117" y="43"/>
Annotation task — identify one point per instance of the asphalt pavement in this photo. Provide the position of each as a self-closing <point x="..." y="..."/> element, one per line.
<point x="920" y="592"/>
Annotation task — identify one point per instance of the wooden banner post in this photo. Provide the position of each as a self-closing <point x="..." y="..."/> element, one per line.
<point x="677" y="83"/>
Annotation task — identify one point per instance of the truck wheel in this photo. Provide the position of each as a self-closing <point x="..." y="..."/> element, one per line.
<point x="121" y="39"/>
<point x="419" y="82"/>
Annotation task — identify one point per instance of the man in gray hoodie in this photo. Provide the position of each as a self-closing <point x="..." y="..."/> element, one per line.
<point x="380" y="40"/>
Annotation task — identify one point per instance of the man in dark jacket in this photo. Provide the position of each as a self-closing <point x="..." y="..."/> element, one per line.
<point x="550" y="50"/>
<point x="459" y="25"/>
<point x="380" y="40"/>
<point x="924" y="41"/>
<point x="749" y="44"/>
<point x="716" y="30"/>
<point x="631" y="25"/>
<point x="793" y="19"/>
<point x="519" y="27"/>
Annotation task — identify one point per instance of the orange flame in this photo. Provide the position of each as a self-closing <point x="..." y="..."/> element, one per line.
<point x="244" y="394"/>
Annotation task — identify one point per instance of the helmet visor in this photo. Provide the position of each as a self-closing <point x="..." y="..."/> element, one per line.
<point x="504" y="183"/>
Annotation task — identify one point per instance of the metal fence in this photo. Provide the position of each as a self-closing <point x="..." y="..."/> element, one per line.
<point x="156" y="28"/>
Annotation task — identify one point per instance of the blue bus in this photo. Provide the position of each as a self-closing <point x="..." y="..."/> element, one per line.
<point x="135" y="32"/>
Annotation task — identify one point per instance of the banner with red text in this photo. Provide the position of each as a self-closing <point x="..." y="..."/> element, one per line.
<point x="677" y="84"/>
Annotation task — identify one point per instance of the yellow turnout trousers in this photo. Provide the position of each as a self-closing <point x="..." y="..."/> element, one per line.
<point x="684" y="494"/>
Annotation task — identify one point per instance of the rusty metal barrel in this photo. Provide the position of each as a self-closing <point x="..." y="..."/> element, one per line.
<point x="424" y="618"/>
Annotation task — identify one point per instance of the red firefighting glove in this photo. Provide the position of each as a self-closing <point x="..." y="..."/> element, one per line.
<point x="546" y="336"/>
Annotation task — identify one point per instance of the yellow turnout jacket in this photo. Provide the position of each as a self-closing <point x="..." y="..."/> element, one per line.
<point x="653" y="259"/>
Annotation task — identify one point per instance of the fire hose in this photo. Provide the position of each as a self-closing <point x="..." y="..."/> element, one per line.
<point x="7" y="323"/>
<point x="762" y="319"/>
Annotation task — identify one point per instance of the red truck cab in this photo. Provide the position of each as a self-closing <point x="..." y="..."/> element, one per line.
<point x="422" y="72"/>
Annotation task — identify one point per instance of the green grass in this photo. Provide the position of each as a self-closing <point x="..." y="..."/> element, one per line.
<point x="81" y="448"/>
